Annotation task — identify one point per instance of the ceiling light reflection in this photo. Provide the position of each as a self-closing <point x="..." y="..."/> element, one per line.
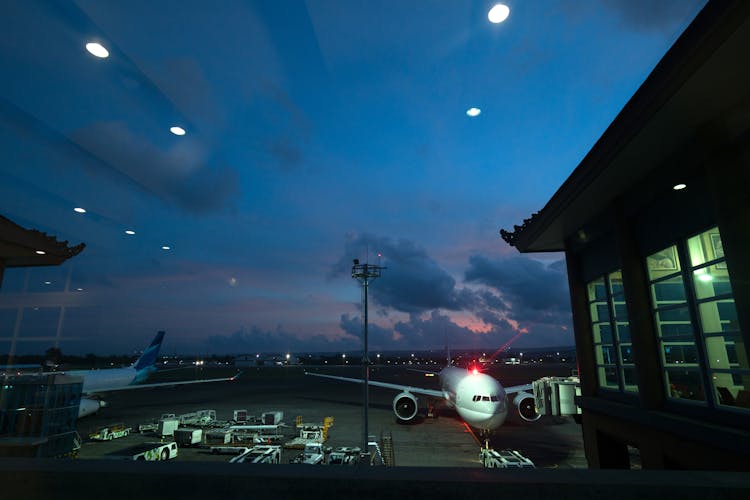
<point x="177" y="130"/>
<point x="498" y="13"/>
<point x="472" y="112"/>
<point x="678" y="187"/>
<point x="79" y="210"/>
<point x="97" y="50"/>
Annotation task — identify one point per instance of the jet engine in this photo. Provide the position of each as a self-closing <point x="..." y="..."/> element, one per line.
<point x="89" y="406"/>
<point x="405" y="406"/>
<point x="526" y="405"/>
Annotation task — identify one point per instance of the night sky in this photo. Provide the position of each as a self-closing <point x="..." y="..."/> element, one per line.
<point x="316" y="132"/>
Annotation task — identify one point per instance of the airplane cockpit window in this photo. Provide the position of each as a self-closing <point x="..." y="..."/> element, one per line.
<point x="485" y="398"/>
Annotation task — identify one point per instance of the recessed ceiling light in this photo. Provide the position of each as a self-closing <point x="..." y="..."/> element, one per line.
<point x="498" y="13"/>
<point x="177" y="130"/>
<point x="47" y="282"/>
<point x="41" y="252"/>
<point x="473" y="112"/>
<point x="677" y="187"/>
<point x="97" y="49"/>
<point x="79" y="289"/>
<point x="165" y="247"/>
<point x="129" y="231"/>
<point x="79" y="210"/>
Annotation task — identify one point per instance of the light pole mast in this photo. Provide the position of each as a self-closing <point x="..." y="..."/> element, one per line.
<point x="364" y="273"/>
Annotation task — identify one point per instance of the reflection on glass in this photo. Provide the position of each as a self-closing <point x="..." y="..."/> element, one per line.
<point x="608" y="377"/>
<point x="597" y="290"/>
<point x="684" y="384"/>
<point x="615" y="284"/>
<point x="602" y="333"/>
<point x="599" y="311"/>
<point x="630" y="376"/>
<point x="682" y="353"/>
<point x="605" y="354"/>
<point x="705" y="247"/>
<point x="669" y="291"/>
<point x="623" y="332"/>
<point x="718" y="316"/>
<point x="663" y="263"/>
<point x="674" y="322"/>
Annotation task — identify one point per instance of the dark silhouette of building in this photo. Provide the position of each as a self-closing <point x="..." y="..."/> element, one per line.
<point x="655" y="226"/>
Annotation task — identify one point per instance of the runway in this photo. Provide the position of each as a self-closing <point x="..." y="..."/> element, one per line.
<point x="443" y="441"/>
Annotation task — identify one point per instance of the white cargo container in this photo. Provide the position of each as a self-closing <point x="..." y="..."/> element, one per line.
<point x="167" y="426"/>
<point x="272" y="417"/>
<point x="188" y="437"/>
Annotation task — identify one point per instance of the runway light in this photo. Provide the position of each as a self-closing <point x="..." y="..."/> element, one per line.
<point x="473" y="112"/>
<point x="177" y="130"/>
<point x="97" y="50"/>
<point x="498" y="13"/>
<point x="678" y="187"/>
<point x="79" y="210"/>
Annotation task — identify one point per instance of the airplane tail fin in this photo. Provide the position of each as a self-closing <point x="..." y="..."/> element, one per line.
<point x="151" y="354"/>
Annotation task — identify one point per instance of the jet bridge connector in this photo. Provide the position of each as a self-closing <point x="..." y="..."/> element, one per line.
<point x="555" y="396"/>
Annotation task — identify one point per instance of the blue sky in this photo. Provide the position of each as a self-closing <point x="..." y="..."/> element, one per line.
<point x="317" y="132"/>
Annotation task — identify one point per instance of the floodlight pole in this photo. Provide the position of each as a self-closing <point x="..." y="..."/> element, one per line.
<point x="364" y="273"/>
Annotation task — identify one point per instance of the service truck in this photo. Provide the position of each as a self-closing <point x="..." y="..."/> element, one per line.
<point x="345" y="455"/>
<point x="188" y="436"/>
<point x="147" y="451"/>
<point x="110" y="432"/>
<point x="314" y="454"/>
<point x="264" y="454"/>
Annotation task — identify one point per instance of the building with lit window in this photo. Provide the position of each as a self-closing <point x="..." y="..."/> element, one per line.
<point x="655" y="226"/>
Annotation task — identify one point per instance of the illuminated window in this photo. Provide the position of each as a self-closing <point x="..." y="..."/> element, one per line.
<point x="699" y="338"/>
<point x="613" y="349"/>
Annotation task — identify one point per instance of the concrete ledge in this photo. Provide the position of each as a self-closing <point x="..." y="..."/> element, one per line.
<point x="110" y="479"/>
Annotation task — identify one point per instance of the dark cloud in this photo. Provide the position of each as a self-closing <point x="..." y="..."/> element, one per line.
<point x="256" y="339"/>
<point x="530" y="290"/>
<point x="654" y="15"/>
<point x="378" y="337"/>
<point x="179" y="175"/>
<point x="412" y="282"/>
<point x="437" y="330"/>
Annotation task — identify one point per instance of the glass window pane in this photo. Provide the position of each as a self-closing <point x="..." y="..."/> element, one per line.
<point x="674" y="323"/>
<point x="607" y="376"/>
<point x="626" y="354"/>
<point x="615" y="284"/>
<point x="621" y="311"/>
<point x="718" y="316"/>
<point x="596" y="290"/>
<point x="670" y="291"/>
<point x="599" y="311"/>
<point x="662" y="263"/>
<point x="732" y="390"/>
<point x="605" y="354"/>
<point x="630" y="378"/>
<point x="603" y="333"/>
<point x="684" y="384"/>
<point x="705" y="247"/>
<point x="680" y="354"/>
<point x="623" y="332"/>
<point x="711" y="281"/>
<point x="722" y="352"/>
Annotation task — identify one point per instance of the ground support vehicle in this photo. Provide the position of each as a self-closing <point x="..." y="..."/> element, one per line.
<point x="344" y="455"/>
<point x="263" y="454"/>
<point x="147" y="451"/>
<point x="188" y="436"/>
<point x="110" y="432"/>
<point x="504" y="459"/>
<point x="201" y="418"/>
<point x="167" y="426"/>
<point x="313" y="454"/>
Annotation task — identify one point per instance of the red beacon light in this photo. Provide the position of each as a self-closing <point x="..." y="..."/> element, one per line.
<point x="474" y="370"/>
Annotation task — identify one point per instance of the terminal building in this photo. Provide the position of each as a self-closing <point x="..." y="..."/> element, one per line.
<point x="655" y="226"/>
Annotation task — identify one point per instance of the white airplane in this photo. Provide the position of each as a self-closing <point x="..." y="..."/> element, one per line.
<point x="479" y="399"/>
<point x="120" y="379"/>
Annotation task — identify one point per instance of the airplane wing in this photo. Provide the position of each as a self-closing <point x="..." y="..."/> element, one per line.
<point x="397" y="387"/>
<point x="518" y="388"/>
<point x="167" y="384"/>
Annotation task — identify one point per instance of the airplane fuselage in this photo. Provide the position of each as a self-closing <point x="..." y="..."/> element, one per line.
<point x="479" y="399"/>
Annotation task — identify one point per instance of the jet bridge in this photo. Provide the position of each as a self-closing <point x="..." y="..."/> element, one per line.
<point x="555" y="396"/>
